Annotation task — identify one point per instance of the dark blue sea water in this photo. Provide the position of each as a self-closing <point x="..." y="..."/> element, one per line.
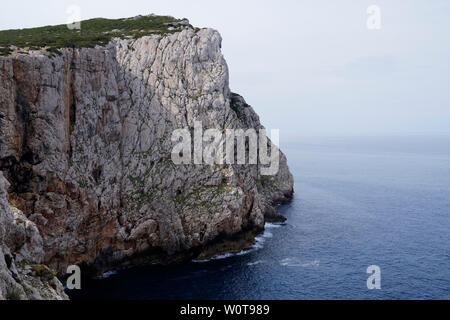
<point x="359" y="202"/>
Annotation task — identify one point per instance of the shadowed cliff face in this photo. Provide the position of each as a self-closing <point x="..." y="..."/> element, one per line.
<point x="22" y="276"/>
<point x="85" y="142"/>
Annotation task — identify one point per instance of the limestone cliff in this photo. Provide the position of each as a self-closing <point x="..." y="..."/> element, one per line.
<point x="22" y="276"/>
<point x="85" y="143"/>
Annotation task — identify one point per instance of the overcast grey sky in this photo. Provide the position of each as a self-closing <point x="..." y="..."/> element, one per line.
<point x="310" y="66"/>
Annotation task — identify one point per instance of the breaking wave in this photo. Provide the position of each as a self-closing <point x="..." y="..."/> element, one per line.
<point x="258" y="245"/>
<point x="293" y="262"/>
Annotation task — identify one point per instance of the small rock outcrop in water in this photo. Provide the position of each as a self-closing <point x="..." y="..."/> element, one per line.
<point x="85" y="142"/>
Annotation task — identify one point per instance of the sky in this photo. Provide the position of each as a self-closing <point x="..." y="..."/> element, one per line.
<point x="310" y="67"/>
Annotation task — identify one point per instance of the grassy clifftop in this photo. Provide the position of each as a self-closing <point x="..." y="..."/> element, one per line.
<point x="93" y="32"/>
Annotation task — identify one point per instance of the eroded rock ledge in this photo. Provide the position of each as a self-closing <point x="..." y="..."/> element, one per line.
<point x="85" y="145"/>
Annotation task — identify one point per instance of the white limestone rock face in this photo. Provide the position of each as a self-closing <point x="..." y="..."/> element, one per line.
<point x="22" y="276"/>
<point x="85" y="141"/>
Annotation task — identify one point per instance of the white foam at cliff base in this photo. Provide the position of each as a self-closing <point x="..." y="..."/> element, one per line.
<point x="108" y="274"/>
<point x="258" y="245"/>
<point x="274" y="225"/>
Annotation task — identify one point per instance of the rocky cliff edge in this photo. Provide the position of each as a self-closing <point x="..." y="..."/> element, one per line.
<point x="85" y="143"/>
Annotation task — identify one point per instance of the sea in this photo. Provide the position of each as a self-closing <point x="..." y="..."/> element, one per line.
<point x="379" y="201"/>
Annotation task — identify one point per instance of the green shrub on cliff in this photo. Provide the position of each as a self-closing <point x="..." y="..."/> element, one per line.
<point x="12" y="295"/>
<point x="93" y="32"/>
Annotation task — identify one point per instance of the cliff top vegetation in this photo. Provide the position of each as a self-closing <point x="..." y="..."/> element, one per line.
<point x="92" y="32"/>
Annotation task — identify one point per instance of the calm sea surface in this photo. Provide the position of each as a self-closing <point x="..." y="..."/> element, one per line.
<point x="359" y="202"/>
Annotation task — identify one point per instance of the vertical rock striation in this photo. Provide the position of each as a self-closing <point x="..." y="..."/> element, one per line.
<point x="85" y="142"/>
